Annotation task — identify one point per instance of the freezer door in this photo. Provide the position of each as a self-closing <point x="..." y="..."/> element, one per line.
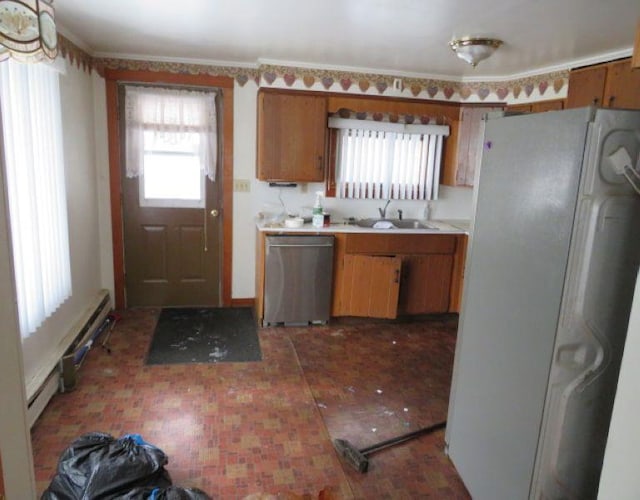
<point x="604" y="259"/>
<point x="514" y="278"/>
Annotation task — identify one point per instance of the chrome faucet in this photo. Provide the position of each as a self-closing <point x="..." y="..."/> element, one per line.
<point x="383" y="211"/>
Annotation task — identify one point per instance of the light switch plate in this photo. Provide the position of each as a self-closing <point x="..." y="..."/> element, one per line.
<point x="241" y="185"/>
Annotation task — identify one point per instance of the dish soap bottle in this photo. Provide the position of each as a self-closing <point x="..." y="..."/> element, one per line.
<point x="317" y="219"/>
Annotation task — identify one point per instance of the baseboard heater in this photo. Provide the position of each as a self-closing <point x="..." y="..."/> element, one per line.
<point x="61" y="374"/>
<point x="73" y="357"/>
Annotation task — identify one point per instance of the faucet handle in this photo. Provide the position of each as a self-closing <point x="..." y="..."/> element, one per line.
<point x="399" y="214"/>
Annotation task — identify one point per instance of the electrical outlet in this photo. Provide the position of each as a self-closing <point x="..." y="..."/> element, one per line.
<point x="241" y="185"/>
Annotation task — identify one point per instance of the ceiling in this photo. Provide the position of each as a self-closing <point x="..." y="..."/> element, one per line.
<point x="399" y="37"/>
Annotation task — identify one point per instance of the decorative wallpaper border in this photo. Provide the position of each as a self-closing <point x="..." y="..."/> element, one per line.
<point x="536" y="87"/>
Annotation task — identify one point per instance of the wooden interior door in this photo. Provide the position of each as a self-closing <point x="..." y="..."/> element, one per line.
<point x="370" y="286"/>
<point x="172" y="255"/>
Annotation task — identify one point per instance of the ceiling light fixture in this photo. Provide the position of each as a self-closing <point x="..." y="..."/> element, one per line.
<point x="473" y="50"/>
<point x="27" y="30"/>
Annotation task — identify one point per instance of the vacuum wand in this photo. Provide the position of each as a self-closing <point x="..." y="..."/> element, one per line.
<point x="359" y="460"/>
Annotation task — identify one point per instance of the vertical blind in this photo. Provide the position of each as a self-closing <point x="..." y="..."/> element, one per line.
<point x="174" y="115"/>
<point x="387" y="160"/>
<point x="33" y="158"/>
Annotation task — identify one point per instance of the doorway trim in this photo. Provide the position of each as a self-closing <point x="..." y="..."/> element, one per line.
<point x="115" y="76"/>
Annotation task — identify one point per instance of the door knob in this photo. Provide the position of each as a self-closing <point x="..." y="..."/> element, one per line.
<point x="214" y="212"/>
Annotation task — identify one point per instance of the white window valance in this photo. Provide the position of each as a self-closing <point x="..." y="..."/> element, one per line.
<point x="381" y="126"/>
<point x="174" y="115"/>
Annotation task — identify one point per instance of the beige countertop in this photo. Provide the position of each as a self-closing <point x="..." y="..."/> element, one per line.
<point x="443" y="227"/>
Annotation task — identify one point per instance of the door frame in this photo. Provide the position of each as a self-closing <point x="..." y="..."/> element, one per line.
<point x="225" y="174"/>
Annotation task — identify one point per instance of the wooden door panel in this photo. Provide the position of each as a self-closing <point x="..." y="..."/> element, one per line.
<point x="550" y="105"/>
<point x="291" y="137"/>
<point x="191" y="257"/>
<point x="370" y="286"/>
<point x="586" y="87"/>
<point x="623" y="86"/>
<point x="152" y="253"/>
<point x="426" y="284"/>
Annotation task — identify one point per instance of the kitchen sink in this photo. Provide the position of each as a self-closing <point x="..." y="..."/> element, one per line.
<point x="397" y="223"/>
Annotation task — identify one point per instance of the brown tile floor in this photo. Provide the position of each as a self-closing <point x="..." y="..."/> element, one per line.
<point x="376" y="381"/>
<point x="233" y="429"/>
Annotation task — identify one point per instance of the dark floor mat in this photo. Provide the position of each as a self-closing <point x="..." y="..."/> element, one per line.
<point x="204" y="335"/>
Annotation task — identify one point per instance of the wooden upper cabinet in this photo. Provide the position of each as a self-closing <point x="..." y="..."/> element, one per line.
<point x="548" y="105"/>
<point x="519" y="108"/>
<point x="622" y="89"/>
<point x="538" y="106"/>
<point x="291" y="137"/>
<point x="613" y="85"/>
<point x="469" y="146"/>
<point x="586" y="86"/>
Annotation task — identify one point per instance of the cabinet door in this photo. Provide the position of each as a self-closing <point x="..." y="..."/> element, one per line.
<point x="426" y="284"/>
<point x="370" y="286"/>
<point x="549" y="105"/>
<point x="586" y="86"/>
<point x="623" y="86"/>
<point x="291" y="137"/>
<point x="470" y="140"/>
<point x="519" y="108"/>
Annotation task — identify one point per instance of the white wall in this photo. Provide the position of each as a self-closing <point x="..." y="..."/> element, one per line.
<point x="621" y="470"/>
<point x="101" y="152"/>
<point x="454" y="203"/>
<point x="79" y="136"/>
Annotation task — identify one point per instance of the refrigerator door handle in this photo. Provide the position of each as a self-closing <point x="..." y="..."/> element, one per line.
<point x="633" y="176"/>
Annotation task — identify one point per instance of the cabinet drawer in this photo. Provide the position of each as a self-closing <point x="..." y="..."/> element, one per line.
<point x="400" y="244"/>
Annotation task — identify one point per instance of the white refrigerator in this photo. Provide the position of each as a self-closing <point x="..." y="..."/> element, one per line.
<point x="549" y="281"/>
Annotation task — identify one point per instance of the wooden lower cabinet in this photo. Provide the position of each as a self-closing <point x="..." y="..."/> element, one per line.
<point x="383" y="276"/>
<point x="426" y="283"/>
<point x="370" y="286"/>
<point x="366" y="266"/>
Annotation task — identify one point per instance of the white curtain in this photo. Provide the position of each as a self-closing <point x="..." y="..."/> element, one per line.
<point x="174" y="114"/>
<point x="33" y="158"/>
<point x="388" y="161"/>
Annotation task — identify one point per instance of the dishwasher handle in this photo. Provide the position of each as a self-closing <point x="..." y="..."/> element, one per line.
<point x="301" y="245"/>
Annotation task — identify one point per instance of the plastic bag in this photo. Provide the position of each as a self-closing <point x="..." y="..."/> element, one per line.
<point x="97" y="465"/>
<point x="170" y="493"/>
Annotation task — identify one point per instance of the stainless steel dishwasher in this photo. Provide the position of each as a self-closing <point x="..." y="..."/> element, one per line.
<point x="298" y="277"/>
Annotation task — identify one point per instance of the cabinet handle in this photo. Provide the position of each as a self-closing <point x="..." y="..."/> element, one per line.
<point x="595" y="101"/>
<point x="319" y="162"/>
<point x="397" y="278"/>
<point x="611" y="99"/>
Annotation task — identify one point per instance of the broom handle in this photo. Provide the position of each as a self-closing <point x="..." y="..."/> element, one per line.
<point x="401" y="439"/>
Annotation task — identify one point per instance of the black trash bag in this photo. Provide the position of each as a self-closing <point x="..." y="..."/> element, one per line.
<point x="169" y="493"/>
<point x="98" y="466"/>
